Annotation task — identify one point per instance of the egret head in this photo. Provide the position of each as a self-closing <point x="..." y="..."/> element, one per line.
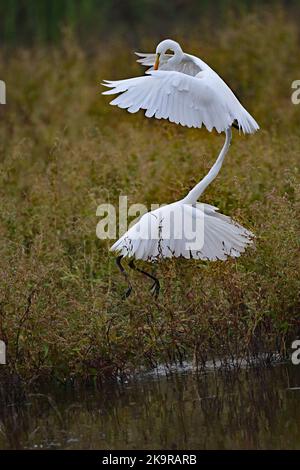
<point x="163" y="47"/>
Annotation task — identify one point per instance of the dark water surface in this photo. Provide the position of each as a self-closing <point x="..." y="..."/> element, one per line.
<point x="246" y="409"/>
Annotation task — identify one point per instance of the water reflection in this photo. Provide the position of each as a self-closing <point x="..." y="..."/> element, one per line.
<point x="249" y="408"/>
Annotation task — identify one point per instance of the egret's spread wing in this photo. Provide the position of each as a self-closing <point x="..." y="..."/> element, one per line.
<point x="225" y="94"/>
<point x="189" y="101"/>
<point x="166" y="233"/>
<point x="187" y="65"/>
<point x="223" y="237"/>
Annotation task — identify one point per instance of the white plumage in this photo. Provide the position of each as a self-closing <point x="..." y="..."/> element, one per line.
<point x="184" y="90"/>
<point x="188" y="92"/>
<point x="186" y="228"/>
<point x="222" y="237"/>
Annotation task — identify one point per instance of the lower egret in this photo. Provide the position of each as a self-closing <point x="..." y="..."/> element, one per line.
<point x="185" y="228"/>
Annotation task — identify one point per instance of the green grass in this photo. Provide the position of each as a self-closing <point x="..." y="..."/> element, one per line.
<point x="64" y="150"/>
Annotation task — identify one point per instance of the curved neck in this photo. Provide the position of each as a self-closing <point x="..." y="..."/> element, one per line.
<point x="196" y="192"/>
<point x="178" y="54"/>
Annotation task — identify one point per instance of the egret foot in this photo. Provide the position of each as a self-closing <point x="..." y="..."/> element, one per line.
<point x="119" y="264"/>
<point x="127" y="293"/>
<point x="155" y="288"/>
<point x="156" y="285"/>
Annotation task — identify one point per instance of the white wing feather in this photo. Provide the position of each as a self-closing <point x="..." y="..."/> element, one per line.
<point x="183" y="99"/>
<point x="223" y="237"/>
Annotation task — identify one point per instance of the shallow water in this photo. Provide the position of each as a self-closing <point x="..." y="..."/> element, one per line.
<point x="256" y="408"/>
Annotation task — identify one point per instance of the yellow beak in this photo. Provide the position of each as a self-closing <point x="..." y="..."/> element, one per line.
<point x="156" y="62"/>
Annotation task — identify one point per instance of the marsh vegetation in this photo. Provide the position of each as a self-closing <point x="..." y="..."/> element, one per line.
<point x="64" y="151"/>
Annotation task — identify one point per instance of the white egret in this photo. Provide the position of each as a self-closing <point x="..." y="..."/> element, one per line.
<point x="185" y="229"/>
<point x="184" y="90"/>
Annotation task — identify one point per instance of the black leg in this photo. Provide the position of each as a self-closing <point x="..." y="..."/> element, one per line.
<point x="156" y="285"/>
<point x="119" y="264"/>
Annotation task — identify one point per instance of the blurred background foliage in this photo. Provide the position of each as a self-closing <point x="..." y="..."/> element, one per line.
<point x="29" y="21"/>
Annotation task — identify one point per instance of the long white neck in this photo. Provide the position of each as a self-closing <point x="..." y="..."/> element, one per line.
<point x="196" y="192"/>
<point x="178" y="52"/>
<point x="178" y="55"/>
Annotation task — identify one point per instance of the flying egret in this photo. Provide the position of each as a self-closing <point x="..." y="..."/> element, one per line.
<point x="185" y="229"/>
<point x="183" y="89"/>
